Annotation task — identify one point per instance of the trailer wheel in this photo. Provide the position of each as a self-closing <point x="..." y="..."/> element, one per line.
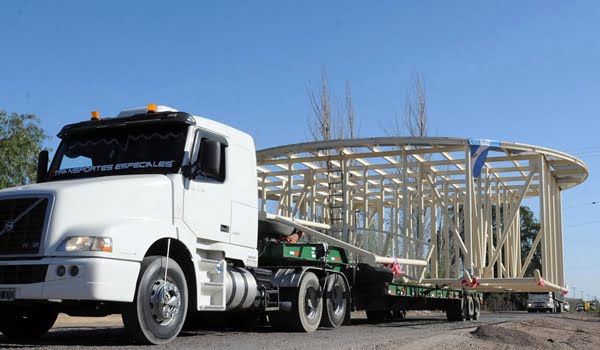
<point x="469" y="308"/>
<point x="456" y="310"/>
<point x="399" y="314"/>
<point x="27" y="323"/>
<point x="159" y="308"/>
<point x="307" y="307"/>
<point x="335" y="302"/>
<point x="477" y="308"/>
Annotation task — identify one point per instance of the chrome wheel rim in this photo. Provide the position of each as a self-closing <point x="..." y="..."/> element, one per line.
<point x="311" y="302"/>
<point x="165" y="302"/>
<point x="337" y="299"/>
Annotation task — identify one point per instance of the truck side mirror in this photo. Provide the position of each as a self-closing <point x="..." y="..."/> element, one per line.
<point x="210" y="158"/>
<point x="42" y="166"/>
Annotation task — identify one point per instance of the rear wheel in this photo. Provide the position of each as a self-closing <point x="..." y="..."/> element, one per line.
<point x="27" y="323"/>
<point x="455" y="311"/>
<point x="159" y="308"/>
<point x="399" y="314"/>
<point x="469" y="308"/>
<point x="477" y="311"/>
<point x="307" y="307"/>
<point x="335" y="303"/>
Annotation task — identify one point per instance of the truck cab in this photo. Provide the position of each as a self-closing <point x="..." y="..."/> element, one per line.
<point x="123" y="201"/>
<point x="545" y="302"/>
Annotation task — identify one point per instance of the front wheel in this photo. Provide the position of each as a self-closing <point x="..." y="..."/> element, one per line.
<point x="27" y="323"/>
<point x="159" y="308"/>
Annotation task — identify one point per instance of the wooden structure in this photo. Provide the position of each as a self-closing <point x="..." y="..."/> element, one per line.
<point x="418" y="198"/>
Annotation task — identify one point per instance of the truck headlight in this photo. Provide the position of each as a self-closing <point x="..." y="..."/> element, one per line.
<point x="86" y="243"/>
<point x="529" y="305"/>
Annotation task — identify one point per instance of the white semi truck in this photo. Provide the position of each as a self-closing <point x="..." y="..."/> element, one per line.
<point x="545" y="302"/>
<point x="153" y="215"/>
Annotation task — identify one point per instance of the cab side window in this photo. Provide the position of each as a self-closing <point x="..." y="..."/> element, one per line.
<point x="211" y="160"/>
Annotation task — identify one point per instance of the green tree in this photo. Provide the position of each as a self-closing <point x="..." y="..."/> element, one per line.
<point x="21" y="140"/>
<point x="530" y="227"/>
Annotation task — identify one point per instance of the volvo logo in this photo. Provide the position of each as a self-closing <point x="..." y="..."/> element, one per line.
<point x="9" y="226"/>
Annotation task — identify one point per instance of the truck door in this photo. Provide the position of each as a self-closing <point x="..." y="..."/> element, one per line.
<point x="207" y="198"/>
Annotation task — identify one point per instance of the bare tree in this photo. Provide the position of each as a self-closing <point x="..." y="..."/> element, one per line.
<point x="415" y="110"/>
<point x="320" y="123"/>
<point x="330" y="120"/>
<point x="414" y="121"/>
<point x="350" y="112"/>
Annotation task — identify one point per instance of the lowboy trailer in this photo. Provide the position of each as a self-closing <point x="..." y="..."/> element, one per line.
<point x="153" y="215"/>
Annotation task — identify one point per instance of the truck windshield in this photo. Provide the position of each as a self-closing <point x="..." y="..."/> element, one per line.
<point x="150" y="149"/>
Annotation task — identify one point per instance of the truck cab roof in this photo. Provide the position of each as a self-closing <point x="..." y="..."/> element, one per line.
<point x="130" y="116"/>
<point x="161" y="114"/>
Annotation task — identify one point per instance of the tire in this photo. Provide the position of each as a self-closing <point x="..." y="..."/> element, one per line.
<point x="456" y="310"/>
<point x="307" y="307"/>
<point x="146" y="319"/>
<point x="270" y="228"/>
<point x="335" y="302"/>
<point x="469" y="309"/>
<point x="477" y="308"/>
<point x="398" y="315"/>
<point x="27" y="323"/>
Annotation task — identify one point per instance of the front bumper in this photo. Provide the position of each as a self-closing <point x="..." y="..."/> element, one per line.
<point x="98" y="279"/>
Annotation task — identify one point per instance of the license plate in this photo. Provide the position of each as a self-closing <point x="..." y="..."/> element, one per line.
<point x="7" y="294"/>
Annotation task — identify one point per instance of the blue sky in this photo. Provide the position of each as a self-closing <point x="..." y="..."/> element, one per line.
<point x="525" y="71"/>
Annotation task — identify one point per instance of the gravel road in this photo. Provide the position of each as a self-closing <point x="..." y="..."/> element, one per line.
<point x="418" y="331"/>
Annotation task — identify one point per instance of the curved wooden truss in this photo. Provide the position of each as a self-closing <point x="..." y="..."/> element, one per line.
<point x="417" y="198"/>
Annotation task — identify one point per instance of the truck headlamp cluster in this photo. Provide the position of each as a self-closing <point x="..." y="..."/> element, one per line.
<point x="86" y="243"/>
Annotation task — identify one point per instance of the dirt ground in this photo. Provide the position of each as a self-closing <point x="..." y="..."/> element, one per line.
<point x="421" y="330"/>
<point x="571" y="331"/>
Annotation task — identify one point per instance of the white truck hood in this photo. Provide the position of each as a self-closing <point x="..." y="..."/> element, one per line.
<point x="87" y="207"/>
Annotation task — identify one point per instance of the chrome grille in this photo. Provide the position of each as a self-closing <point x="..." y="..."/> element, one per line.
<point x="21" y="225"/>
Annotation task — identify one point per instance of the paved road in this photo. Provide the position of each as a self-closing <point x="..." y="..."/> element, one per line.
<point x="416" y="331"/>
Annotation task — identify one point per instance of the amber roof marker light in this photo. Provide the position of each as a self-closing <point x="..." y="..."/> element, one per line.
<point x="152" y="108"/>
<point x="96" y="115"/>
